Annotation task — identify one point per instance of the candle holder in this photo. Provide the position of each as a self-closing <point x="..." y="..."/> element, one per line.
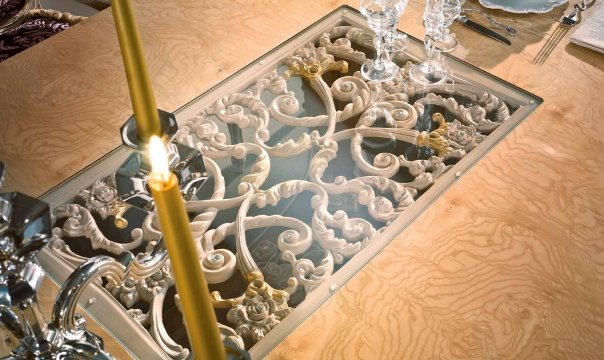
<point x="25" y="228"/>
<point x="132" y="184"/>
<point x="184" y="161"/>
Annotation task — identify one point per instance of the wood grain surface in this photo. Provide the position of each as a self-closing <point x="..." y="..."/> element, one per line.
<point x="509" y="264"/>
<point x="63" y="101"/>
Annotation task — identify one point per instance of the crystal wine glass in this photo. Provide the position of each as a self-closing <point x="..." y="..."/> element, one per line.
<point x="430" y="71"/>
<point x="451" y="10"/>
<point x="396" y="41"/>
<point x="381" y="15"/>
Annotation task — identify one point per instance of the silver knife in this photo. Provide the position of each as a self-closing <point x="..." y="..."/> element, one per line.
<point x="483" y="30"/>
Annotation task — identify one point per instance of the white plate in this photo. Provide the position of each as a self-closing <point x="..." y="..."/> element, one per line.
<point x="522" y="6"/>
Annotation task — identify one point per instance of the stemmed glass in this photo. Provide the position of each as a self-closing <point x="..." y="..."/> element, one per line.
<point x="451" y="10"/>
<point x="396" y="41"/>
<point x="381" y="16"/>
<point x="430" y="71"/>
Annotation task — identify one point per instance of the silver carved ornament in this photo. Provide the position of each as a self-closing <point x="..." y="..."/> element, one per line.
<point x="24" y="230"/>
<point x="130" y="180"/>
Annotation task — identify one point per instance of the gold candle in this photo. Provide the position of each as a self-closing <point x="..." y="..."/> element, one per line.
<point x="141" y="92"/>
<point x="196" y="305"/>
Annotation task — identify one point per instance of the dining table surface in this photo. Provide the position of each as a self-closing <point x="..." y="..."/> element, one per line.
<point x="507" y="264"/>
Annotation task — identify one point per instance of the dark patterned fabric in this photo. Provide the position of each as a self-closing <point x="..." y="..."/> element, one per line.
<point x="28" y="34"/>
<point x="10" y="8"/>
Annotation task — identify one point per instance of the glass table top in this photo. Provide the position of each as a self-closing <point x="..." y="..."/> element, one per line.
<point x="309" y="171"/>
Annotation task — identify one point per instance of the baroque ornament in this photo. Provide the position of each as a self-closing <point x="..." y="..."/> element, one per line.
<point x="258" y="310"/>
<point x="308" y="165"/>
<point x="102" y="198"/>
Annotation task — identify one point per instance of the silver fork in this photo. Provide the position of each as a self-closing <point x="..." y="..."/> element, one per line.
<point x="572" y="18"/>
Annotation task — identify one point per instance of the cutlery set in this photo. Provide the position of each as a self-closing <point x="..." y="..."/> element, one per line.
<point x="570" y="20"/>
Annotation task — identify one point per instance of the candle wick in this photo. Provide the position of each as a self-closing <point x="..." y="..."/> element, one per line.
<point x="159" y="157"/>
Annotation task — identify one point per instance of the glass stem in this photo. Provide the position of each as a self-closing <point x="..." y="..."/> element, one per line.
<point x="429" y="44"/>
<point x="443" y="29"/>
<point x="378" y="42"/>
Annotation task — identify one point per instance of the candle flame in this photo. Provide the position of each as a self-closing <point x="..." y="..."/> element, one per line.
<point x="159" y="156"/>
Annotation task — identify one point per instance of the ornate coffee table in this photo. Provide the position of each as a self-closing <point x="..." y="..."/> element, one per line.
<point x="309" y="172"/>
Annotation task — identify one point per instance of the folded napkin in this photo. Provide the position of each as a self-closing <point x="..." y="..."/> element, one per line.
<point x="590" y="31"/>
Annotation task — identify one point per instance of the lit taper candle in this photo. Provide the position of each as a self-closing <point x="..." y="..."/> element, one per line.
<point x="191" y="284"/>
<point x="141" y="91"/>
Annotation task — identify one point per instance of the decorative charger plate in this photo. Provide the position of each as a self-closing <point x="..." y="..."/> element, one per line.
<point x="522" y="6"/>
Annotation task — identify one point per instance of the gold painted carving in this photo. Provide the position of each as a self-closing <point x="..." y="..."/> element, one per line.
<point x="258" y="310"/>
<point x="436" y="139"/>
<point x="256" y="286"/>
<point x="311" y="63"/>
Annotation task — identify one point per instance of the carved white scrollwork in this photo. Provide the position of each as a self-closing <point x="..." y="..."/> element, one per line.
<point x="80" y="223"/>
<point x="280" y="226"/>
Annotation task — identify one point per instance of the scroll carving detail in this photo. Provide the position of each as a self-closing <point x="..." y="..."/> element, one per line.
<point x="295" y="192"/>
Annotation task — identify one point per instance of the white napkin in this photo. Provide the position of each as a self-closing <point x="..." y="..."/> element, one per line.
<point x="590" y="31"/>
